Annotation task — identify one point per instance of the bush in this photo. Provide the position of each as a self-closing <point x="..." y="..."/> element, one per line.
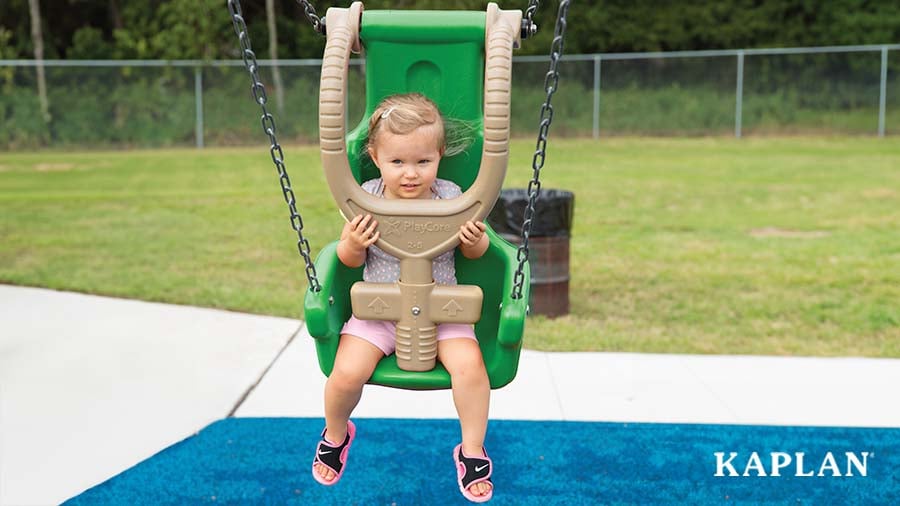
<point x="150" y="107"/>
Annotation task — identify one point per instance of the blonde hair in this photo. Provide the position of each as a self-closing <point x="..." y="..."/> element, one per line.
<point x="403" y="113"/>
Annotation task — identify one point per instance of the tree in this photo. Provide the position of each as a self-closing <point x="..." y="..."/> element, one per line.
<point x="37" y="39"/>
<point x="273" y="54"/>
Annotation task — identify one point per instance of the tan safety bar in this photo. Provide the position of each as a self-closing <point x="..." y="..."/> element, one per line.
<point x="417" y="308"/>
<point x="416" y="231"/>
<point x="410" y="228"/>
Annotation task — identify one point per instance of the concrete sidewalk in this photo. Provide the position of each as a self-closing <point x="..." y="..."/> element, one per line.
<point x="90" y="386"/>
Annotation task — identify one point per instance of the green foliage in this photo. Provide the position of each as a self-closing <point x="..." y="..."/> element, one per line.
<point x="21" y="125"/>
<point x="604" y="26"/>
<point x="684" y="96"/>
<point x="174" y="30"/>
<point x="7" y="51"/>
<point x="88" y="44"/>
<point x="193" y="29"/>
<point x="185" y="29"/>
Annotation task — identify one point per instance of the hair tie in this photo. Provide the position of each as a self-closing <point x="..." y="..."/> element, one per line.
<point x="387" y="113"/>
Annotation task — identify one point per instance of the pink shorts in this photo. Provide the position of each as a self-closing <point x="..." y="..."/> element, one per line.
<point x="381" y="333"/>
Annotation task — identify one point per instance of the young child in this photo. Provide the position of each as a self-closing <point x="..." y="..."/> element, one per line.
<point x="406" y="142"/>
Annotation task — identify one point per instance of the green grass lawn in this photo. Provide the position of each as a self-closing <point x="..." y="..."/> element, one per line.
<point x="785" y="246"/>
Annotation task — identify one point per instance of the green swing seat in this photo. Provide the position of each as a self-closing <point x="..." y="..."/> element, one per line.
<point x="441" y="55"/>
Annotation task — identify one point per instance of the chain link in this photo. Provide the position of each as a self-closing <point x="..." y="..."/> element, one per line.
<point x="533" y="6"/>
<point x="317" y="23"/>
<point x="551" y="81"/>
<point x="528" y="26"/>
<point x="268" y="125"/>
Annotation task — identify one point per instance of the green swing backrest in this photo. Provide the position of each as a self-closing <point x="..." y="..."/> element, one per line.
<point x="438" y="54"/>
<point x="441" y="55"/>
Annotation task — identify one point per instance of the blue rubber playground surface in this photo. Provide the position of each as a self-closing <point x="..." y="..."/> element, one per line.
<point x="109" y="401"/>
<point x="404" y="461"/>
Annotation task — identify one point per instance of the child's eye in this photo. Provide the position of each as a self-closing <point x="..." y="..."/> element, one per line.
<point x="424" y="160"/>
<point x="396" y="161"/>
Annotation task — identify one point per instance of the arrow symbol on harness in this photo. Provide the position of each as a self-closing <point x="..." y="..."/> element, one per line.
<point x="452" y="308"/>
<point x="378" y="305"/>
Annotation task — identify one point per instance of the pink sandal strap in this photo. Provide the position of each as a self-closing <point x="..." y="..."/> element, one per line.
<point x="333" y="457"/>
<point x="472" y="470"/>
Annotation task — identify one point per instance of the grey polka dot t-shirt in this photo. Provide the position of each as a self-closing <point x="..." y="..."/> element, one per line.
<point x="384" y="268"/>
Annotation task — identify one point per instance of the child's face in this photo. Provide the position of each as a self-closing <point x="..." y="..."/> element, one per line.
<point x="408" y="163"/>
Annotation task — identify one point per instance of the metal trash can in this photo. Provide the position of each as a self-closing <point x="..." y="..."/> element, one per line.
<point x="548" y="243"/>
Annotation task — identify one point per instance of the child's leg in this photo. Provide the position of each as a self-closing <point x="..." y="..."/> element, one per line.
<point x="471" y="395"/>
<point x="353" y="366"/>
<point x="471" y="389"/>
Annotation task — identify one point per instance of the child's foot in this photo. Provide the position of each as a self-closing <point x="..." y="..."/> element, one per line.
<point x="481" y="489"/>
<point x="324" y="471"/>
<point x="331" y="459"/>
<point x="473" y="475"/>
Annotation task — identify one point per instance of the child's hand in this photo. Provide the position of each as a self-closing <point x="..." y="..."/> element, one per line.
<point x="473" y="242"/>
<point x="360" y="232"/>
<point x="471" y="233"/>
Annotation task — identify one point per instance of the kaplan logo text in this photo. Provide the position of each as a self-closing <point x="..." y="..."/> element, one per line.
<point x="776" y="464"/>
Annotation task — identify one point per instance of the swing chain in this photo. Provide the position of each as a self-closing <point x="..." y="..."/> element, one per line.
<point x="268" y="125"/>
<point x="317" y="23"/>
<point x="551" y="82"/>
<point x="529" y="28"/>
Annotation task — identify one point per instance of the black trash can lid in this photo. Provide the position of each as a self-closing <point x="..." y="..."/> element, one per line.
<point x="553" y="213"/>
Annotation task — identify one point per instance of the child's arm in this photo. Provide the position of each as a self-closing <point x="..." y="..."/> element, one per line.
<point x="358" y="234"/>
<point x="473" y="242"/>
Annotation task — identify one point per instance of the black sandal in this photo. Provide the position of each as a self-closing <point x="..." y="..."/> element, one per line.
<point x="333" y="457"/>
<point x="472" y="470"/>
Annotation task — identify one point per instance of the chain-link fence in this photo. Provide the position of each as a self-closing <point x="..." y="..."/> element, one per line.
<point x="834" y="90"/>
